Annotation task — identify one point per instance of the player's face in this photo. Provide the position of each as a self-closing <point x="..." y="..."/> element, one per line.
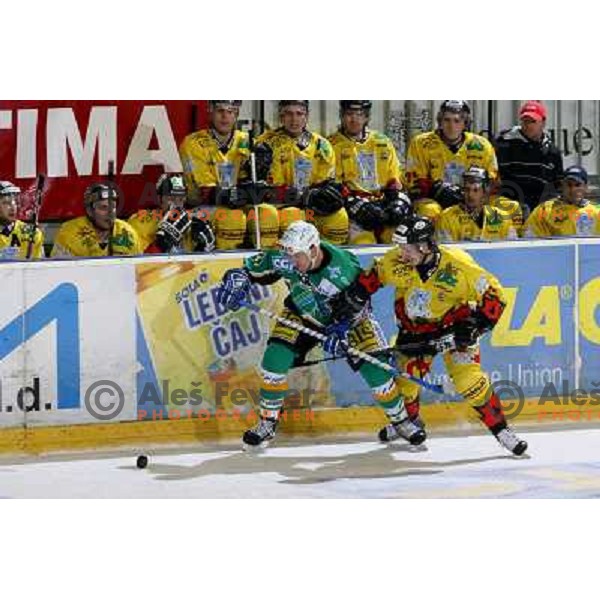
<point x="172" y="202"/>
<point x="223" y="119"/>
<point x="301" y="261"/>
<point x="531" y="128"/>
<point x="573" y="190"/>
<point x="103" y="214"/>
<point x="453" y="126"/>
<point x="8" y="209"/>
<point x="474" y="194"/>
<point x="354" y="121"/>
<point x="412" y="254"/>
<point x="294" y="119"/>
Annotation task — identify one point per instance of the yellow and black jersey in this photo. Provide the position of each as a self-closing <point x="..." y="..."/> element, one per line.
<point x="207" y="165"/>
<point x="78" y="237"/>
<point x="501" y="220"/>
<point x="15" y="239"/>
<point x="430" y="159"/>
<point x="146" y="222"/>
<point x="559" y="218"/>
<point x="298" y="162"/>
<point x="456" y="288"/>
<point x="366" y="166"/>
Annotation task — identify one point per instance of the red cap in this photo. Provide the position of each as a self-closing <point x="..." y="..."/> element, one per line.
<point x="534" y="110"/>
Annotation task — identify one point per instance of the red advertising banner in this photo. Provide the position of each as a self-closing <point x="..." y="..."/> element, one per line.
<point x="73" y="141"/>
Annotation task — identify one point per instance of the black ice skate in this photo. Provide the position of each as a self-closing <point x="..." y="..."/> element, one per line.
<point x="511" y="442"/>
<point x="405" y="429"/>
<point x="260" y="435"/>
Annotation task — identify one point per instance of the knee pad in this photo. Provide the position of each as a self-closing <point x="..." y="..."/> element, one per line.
<point x="427" y="208"/>
<point x="334" y="228"/>
<point x="268" y="223"/>
<point x="230" y="228"/>
<point x="288" y="215"/>
<point x="359" y="236"/>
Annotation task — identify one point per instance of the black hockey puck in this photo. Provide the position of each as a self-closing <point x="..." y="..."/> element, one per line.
<point x="142" y="461"/>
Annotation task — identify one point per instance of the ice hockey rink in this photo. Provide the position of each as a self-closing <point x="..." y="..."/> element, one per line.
<point x="559" y="464"/>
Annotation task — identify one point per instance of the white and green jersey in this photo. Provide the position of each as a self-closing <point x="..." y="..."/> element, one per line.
<point x="309" y="293"/>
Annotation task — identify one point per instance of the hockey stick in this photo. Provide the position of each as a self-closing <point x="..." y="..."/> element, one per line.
<point x="34" y="221"/>
<point x="253" y="178"/>
<point x="318" y="361"/>
<point x="352" y="351"/>
<point x="111" y="179"/>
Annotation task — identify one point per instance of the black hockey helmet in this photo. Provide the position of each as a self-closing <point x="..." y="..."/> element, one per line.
<point x="99" y="191"/>
<point x="459" y="107"/>
<point x="171" y="184"/>
<point x="415" y="230"/>
<point x="365" y="105"/>
<point x="283" y="103"/>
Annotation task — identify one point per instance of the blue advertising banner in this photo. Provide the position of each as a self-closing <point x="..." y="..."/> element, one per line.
<point x="533" y="344"/>
<point x="589" y="315"/>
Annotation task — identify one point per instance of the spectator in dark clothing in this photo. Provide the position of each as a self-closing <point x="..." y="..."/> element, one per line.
<point x="531" y="166"/>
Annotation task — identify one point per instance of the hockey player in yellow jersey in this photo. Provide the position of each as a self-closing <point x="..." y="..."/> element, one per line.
<point x="215" y="162"/>
<point x="437" y="159"/>
<point x="367" y="165"/>
<point x="300" y="167"/>
<point x="15" y="235"/>
<point x="173" y="227"/>
<point x="99" y="232"/>
<point x="477" y="216"/>
<point x="571" y="214"/>
<point x="444" y="302"/>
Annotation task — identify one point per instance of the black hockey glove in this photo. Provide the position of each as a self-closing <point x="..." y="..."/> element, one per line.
<point x="203" y="235"/>
<point x="324" y="198"/>
<point x="355" y="299"/>
<point x="466" y="333"/>
<point x="397" y="207"/>
<point x="369" y="215"/>
<point x="171" y="229"/>
<point x="446" y="194"/>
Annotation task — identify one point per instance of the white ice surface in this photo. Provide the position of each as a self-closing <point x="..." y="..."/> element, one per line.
<point x="561" y="464"/>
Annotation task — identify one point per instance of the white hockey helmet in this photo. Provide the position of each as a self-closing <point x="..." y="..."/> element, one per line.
<point x="300" y="236"/>
<point x="7" y="188"/>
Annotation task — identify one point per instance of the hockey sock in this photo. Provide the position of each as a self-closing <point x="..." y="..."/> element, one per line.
<point x="385" y="391"/>
<point x="492" y="415"/>
<point x="273" y="389"/>
<point x="412" y="408"/>
<point x="277" y="360"/>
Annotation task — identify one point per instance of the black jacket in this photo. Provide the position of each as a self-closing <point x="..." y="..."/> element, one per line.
<point x="530" y="171"/>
